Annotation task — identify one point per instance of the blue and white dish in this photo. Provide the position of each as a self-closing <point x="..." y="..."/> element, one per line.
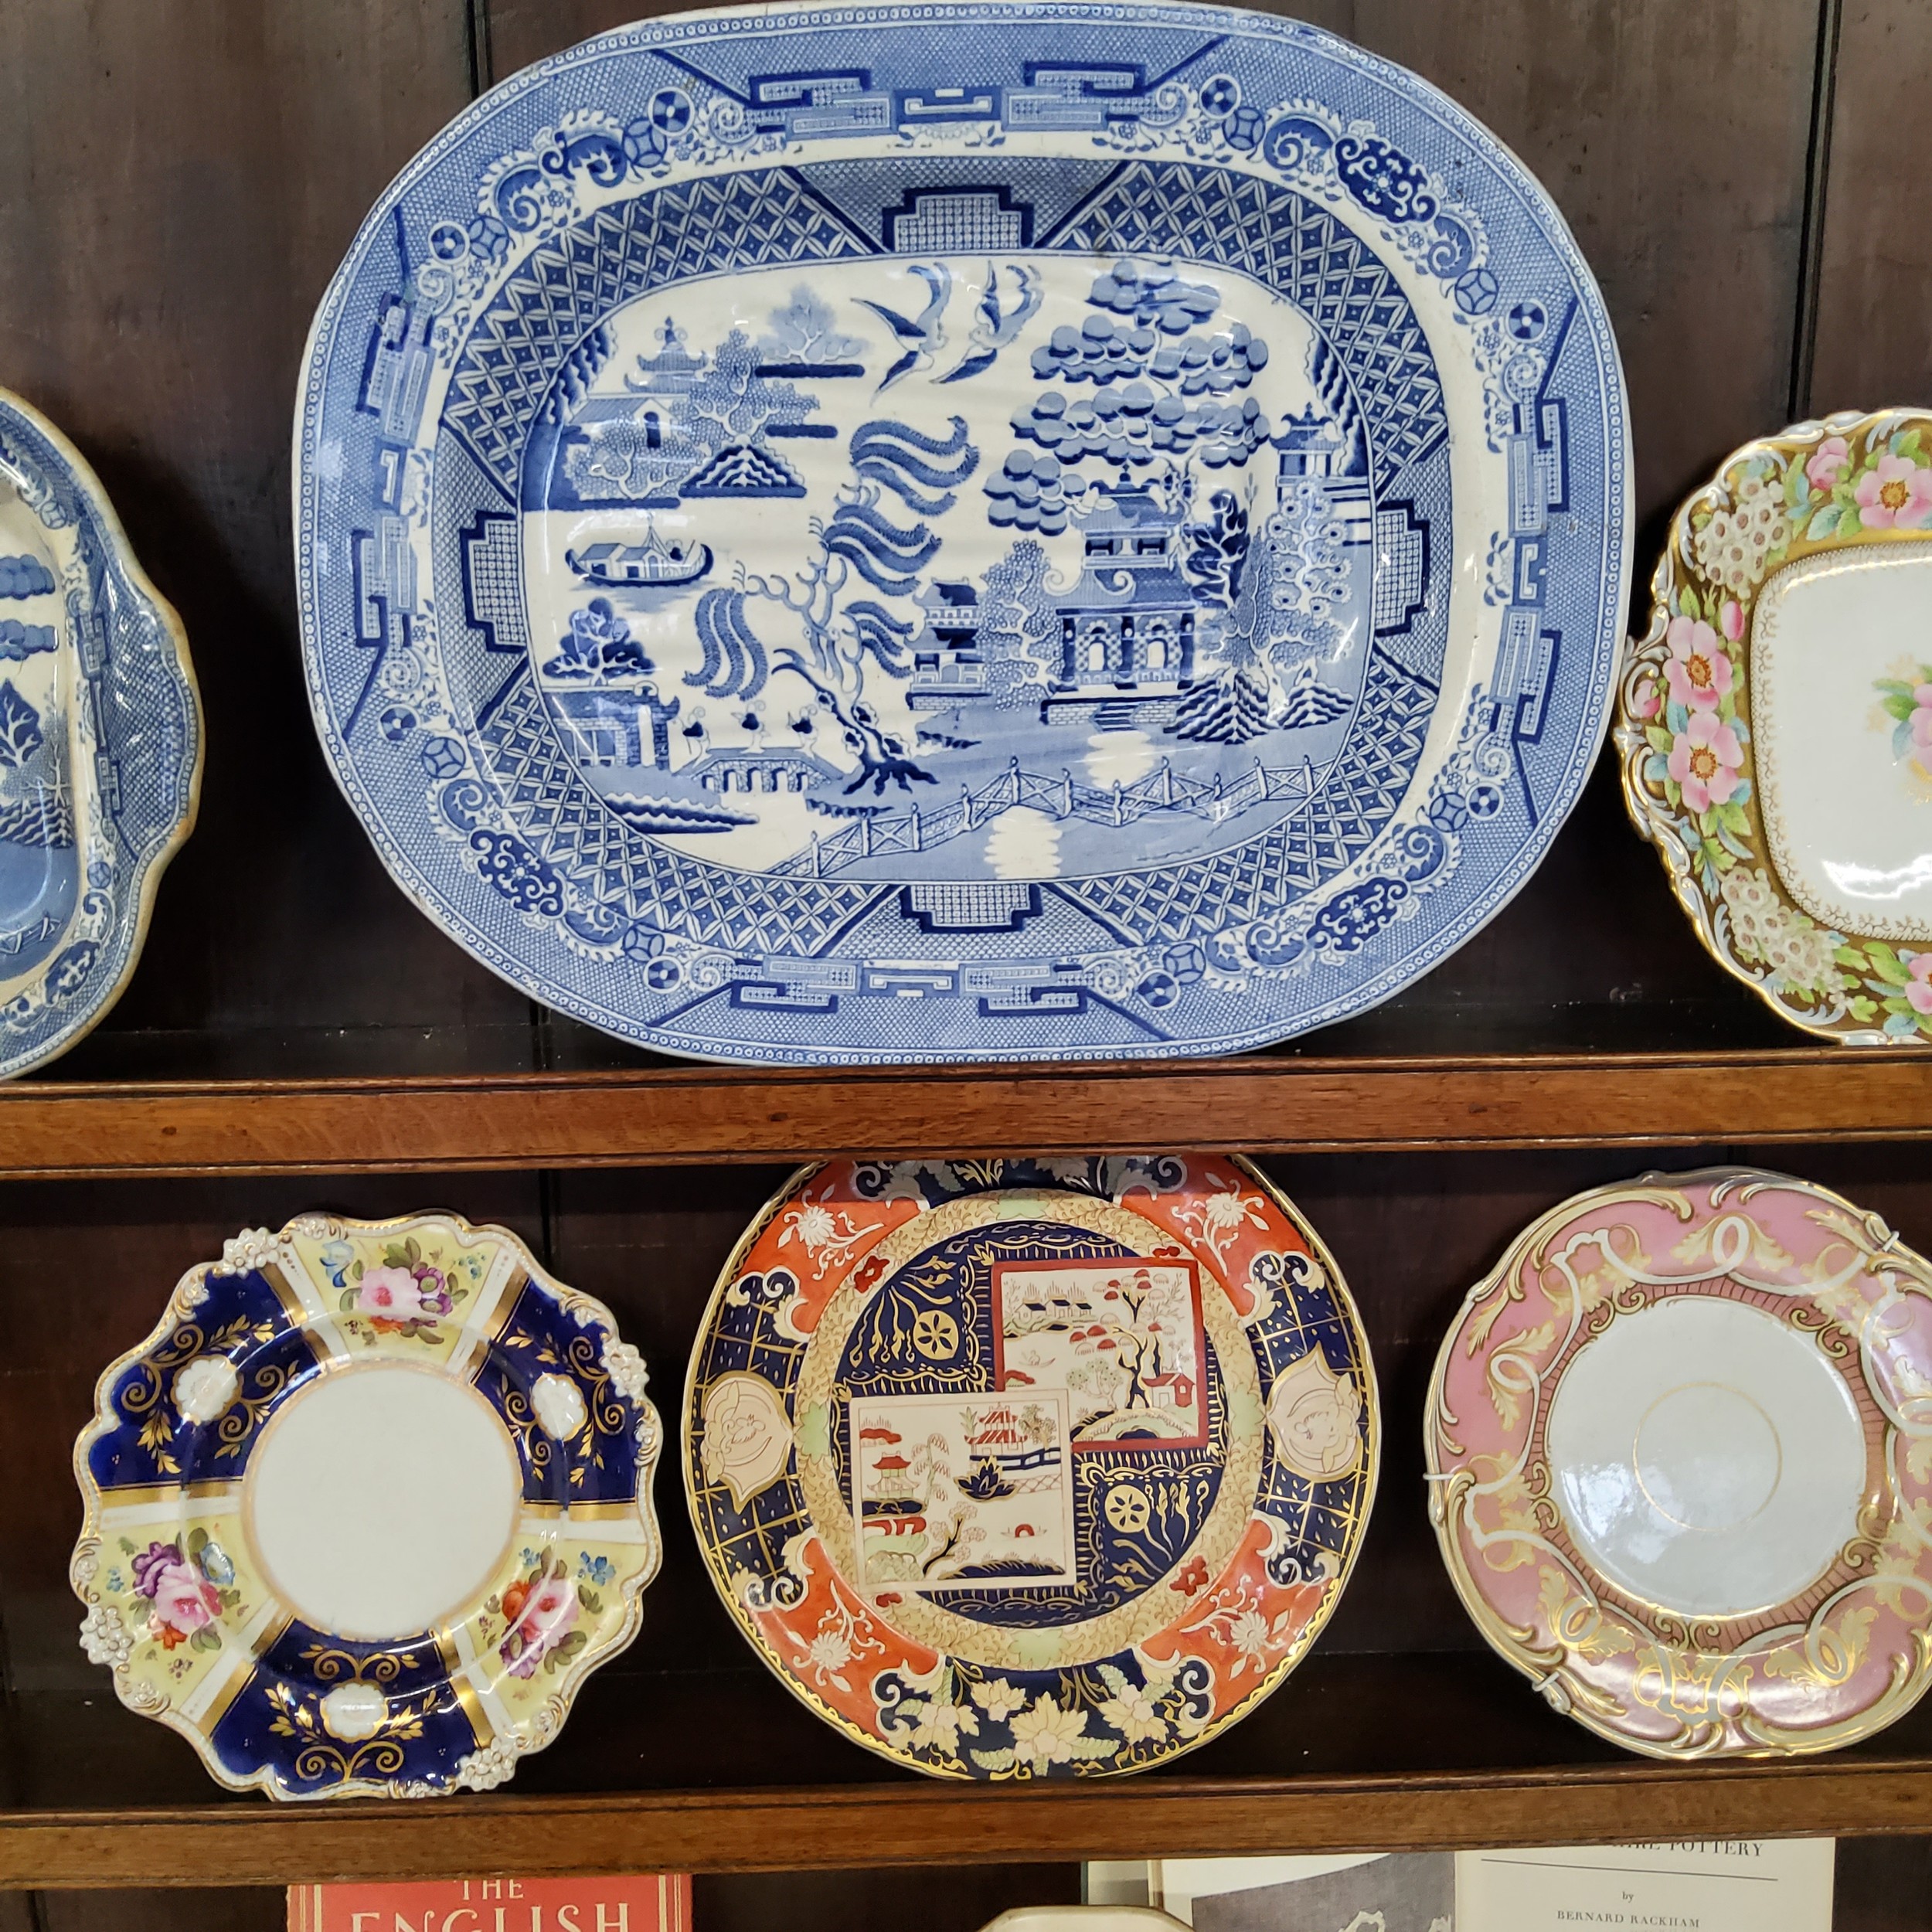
<point x="962" y="531"/>
<point x="101" y="744"/>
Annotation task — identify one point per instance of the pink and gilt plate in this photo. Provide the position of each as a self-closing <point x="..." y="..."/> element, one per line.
<point x="1680" y="1448"/>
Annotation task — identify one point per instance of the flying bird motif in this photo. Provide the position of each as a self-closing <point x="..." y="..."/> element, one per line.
<point x="995" y="328"/>
<point x="924" y="336"/>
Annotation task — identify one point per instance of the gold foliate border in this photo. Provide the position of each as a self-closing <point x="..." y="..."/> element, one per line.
<point x="495" y="1758"/>
<point x="1693" y="1683"/>
<point x="1683" y="721"/>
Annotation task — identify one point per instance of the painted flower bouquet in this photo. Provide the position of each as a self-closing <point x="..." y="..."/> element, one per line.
<point x="1683" y="729"/>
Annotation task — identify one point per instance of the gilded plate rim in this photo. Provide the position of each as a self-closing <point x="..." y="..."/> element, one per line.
<point x="494" y="1761"/>
<point x="1372" y="1423"/>
<point x="1824" y="1009"/>
<point x="1549" y="1670"/>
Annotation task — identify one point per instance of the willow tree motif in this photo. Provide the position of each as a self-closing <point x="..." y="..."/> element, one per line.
<point x="1233" y="695"/>
<point x="839" y="635"/>
<point x="1020" y="632"/>
<point x="1268" y="584"/>
<point x="805" y="340"/>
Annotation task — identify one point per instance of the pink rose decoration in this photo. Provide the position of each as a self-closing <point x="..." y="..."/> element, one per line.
<point x="1896" y="496"/>
<point x="1698" y="671"/>
<point x="542" y="1620"/>
<point x="1705" y="761"/>
<point x="184" y="1602"/>
<point x="1646" y="703"/>
<point x="1828" y="463"/>
<point x="1731" y="616"/>
<point x="391" y="1293"/>
<point x="1918" y="991"/>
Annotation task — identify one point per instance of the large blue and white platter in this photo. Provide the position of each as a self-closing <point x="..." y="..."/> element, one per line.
<point x="962" y="531"/>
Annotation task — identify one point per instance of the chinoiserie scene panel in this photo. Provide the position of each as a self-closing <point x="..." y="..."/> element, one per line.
<point x="1575" y="89"/>
<point x="228" y="159"/>
<point x="1730" y="173"/>
<point x="1579" y="89"/>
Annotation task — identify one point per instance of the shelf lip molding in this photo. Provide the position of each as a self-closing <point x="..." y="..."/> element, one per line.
<point x="421" y="1123"/>
<point x="895" y="1824"/>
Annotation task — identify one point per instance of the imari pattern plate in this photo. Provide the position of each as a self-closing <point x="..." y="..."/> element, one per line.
<point x="962" y="531"/>
<point x="1021" y="1469"/>
<point x="366" y="1508"/>
<point x="101" y="744"/>
<point x="1680" y="1448"/>
<point x="1775" y="724"/>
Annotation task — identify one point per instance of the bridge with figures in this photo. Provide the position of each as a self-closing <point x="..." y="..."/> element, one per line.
<point x="873" y="834"/>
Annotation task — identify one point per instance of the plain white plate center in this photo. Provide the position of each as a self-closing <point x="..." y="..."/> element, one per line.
<point x="380" y="1500"/>
<point x="1709" y="1460"/>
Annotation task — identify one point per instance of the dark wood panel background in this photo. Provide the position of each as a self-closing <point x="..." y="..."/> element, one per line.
<point x="180" y="178"/>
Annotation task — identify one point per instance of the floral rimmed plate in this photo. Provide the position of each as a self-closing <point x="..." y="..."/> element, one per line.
<point x="1775" y="724"/>
<point x="101" y="744"/>
<point x="1018" y="1468"/>
<point x="998" y="530"/>
<point x="366" y="1508"/>
<point x="1680" y="1448"/>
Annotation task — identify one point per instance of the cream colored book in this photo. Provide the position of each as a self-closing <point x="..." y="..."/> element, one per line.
<point x="1747" y="1885"/>
<point x="1737" y="1885"/>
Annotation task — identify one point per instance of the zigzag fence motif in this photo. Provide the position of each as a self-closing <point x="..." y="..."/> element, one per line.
<point x="1160" y="790"/>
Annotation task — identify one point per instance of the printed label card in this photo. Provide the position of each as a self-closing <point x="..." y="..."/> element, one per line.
<point x="1737" y="1885"/>
<point x="1725" y="1884"/>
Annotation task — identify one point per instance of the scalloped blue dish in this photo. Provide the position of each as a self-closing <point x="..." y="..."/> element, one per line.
<point x="101" y="744"/>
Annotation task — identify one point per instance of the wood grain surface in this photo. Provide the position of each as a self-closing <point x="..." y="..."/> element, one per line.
<point x="220" y="160"/>
<point x="1874" y="346"/>
<point x="430" y="1124"/>
<point x="728" y="1830"/>
<point x="1401" y="1729"/>
<point x="182" y="180"/>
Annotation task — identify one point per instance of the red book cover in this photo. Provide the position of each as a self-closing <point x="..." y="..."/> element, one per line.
<point x="660" y="1902"/>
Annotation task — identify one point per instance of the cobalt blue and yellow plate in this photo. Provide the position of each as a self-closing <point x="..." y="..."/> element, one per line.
<point x="366" y="1508"/>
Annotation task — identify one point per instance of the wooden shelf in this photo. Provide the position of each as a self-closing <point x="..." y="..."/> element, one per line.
<point x="708" y="1115"/>
<point x="251" y="1843"/>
